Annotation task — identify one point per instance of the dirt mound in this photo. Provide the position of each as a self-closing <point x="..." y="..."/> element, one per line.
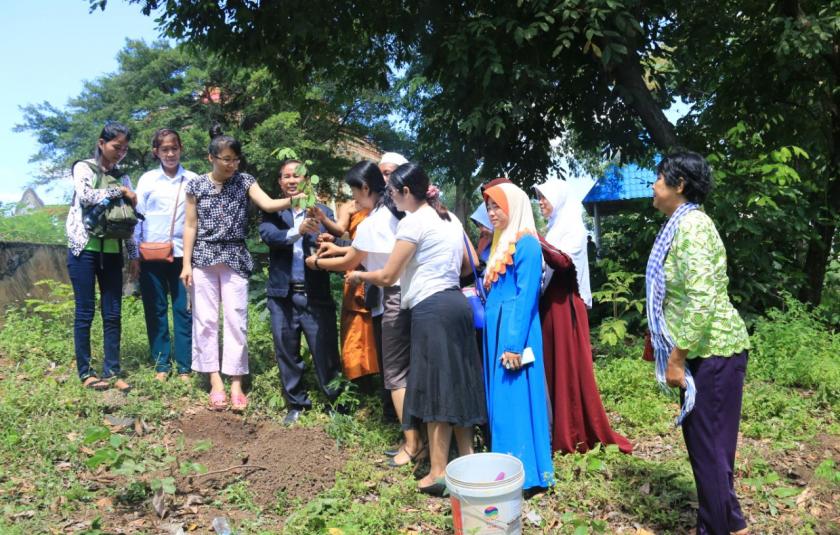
<point x="297" y="461"/>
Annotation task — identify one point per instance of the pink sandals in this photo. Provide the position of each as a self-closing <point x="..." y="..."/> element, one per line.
<point x="218" y="401"/>
<point x="238" y="402"/>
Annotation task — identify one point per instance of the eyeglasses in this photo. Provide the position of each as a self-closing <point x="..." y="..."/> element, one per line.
<point x="227" y="161"/>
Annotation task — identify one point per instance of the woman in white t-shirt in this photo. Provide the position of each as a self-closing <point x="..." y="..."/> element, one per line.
<point x="372" y="244"/>
<point x="445" y="385"/>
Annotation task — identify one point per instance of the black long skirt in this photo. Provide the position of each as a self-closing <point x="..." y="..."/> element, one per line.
<point x="445" y="382"/>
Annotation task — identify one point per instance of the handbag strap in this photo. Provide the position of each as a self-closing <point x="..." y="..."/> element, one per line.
<point x="478" y="286"/>
<point x="175" y="210"/>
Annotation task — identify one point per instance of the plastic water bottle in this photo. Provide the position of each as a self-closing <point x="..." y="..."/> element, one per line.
<point x="221" y="526"/>
<point x="92" y="217"/>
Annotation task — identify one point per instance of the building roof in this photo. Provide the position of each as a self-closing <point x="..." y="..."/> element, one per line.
<point x="29" y="201"/>
<point x="619" y="186"/>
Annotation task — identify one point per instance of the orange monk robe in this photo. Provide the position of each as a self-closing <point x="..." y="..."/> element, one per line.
<point x="358" y="344"/>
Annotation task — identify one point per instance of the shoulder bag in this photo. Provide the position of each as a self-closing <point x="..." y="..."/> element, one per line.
<point x="155" y="251"/>
<point x="475" y="296"/>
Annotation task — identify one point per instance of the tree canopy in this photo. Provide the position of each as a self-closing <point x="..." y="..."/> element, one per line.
<point x="488" y="86"/>
<point x="181" y="88"/>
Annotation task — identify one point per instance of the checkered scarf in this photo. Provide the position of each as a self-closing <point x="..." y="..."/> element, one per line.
<point x="663" y="344"/>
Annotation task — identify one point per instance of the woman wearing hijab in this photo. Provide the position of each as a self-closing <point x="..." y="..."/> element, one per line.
<point x="578" y="417"/>
<point x="514" y="377"/>
<point x="485" y="232"/>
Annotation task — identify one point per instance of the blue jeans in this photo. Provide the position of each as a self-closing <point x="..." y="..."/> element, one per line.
<point x="85" y="270"/>
<point x="159" y="281"/>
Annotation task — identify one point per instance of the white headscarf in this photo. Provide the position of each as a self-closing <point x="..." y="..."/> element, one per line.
<point x="567" y="232"/>
<point x="515" y="203"/>
<point x="480" y="217"/>
<point x="393" y="158"/>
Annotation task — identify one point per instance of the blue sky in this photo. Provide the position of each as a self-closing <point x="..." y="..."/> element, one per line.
<point x="50" y="48"/>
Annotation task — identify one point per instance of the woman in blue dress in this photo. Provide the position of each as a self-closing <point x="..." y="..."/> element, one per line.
<point x="514" y="377"/>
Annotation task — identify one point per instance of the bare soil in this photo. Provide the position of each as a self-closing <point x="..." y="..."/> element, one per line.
<point x="298" y="461"/>
<point x="295" y="463"/>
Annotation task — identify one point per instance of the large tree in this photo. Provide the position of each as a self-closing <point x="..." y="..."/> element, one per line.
<point x="493" y="83"/>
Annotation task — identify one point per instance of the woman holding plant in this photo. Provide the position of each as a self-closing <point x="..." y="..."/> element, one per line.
<point x="374" y="240"/>
<point x="217" y="265"/>
<point x="578" y="417"/>
<point x="699" y="341"/>
<point x="443" y="388"/>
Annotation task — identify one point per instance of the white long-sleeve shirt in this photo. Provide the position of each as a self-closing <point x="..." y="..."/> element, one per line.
<point x="156" y="201"/>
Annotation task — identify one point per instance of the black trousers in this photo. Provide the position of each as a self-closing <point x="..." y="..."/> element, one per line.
<point x="292" y="316"/>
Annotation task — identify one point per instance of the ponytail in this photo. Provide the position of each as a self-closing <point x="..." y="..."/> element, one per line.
<point x="411" y="176"/>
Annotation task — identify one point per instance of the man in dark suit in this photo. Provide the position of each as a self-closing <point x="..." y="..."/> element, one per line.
<point x="299" y="299"/>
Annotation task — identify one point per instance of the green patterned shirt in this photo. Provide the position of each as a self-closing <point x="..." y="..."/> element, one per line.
<point x="698" y="312"/>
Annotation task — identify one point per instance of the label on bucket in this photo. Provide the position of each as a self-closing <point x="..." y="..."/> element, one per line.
<point x="478" y="517"/>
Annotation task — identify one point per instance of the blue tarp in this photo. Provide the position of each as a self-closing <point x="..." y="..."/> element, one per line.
<point x="621" y="184"/>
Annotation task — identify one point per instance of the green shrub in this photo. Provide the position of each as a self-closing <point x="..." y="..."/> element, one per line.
<point x="45" y="225"/>
<point x="793" y="347"/>
<point x="628" y="388"/>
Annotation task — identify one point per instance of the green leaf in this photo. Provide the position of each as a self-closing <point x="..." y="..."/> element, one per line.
<point x="101" y="456"/>
<point x="786" y="492"/>
<point x="314" y="179"/>
<point x="95" y="434"/>
<point x="168" y="485"/>
<point x="202" y="446"/>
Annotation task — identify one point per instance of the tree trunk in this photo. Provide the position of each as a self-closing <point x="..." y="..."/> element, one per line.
<point x="461" y="193"/>
<point x="816" y="263"/>
<point x="629" y="76"/>
<point x="825" y="226"/>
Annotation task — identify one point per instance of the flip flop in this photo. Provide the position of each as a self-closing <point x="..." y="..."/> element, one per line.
<point x="124" y="390"/>
<point x="98" y="384"/>
<point x="218" y="401"/>
<point x="238" y="402"/>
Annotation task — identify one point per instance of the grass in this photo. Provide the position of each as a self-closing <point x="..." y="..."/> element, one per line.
<point x="53" y="430"/>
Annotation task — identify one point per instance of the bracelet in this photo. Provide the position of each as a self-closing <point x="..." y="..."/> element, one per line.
<point x="316" y="264"/>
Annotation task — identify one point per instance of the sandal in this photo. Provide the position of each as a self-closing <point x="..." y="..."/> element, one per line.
<point x="418" y="455"/>
<point x="238" y="402"/>
<point x="95" y="383"/>
<point x="120" y="385"/>
<point x="218" y="401"/>
<point x="438" y="488"/>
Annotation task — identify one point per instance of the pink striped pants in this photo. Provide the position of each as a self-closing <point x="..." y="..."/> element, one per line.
<point x="211" y="286"/>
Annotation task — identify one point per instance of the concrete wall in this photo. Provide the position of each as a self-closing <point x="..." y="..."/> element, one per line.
<point x="23" y="264"/>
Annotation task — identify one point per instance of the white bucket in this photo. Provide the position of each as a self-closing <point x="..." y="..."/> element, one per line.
<point x="486" y="493"/>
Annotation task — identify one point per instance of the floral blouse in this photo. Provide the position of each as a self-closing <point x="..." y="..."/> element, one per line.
<point x="222" y="222"/>
<point x="84" y="196"/>
<point x="698" y="312"/>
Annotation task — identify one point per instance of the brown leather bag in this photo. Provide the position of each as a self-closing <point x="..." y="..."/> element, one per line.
<point x="157" y="251"/>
